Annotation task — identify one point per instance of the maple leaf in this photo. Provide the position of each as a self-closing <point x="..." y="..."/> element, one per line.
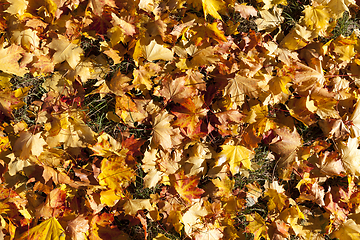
<point x="9" y="60"/>
<point x="237" y="156"/>
<point x="349" y="156"/>
<point x="29" y="144"/>
<point x="355" y="119"/>
<point x="189" y="114"/>
<point x="348" y="230"/>
<point x="208" y="33"/>
<point x="316" y="17"/>
<point x="239" y="87"/>
<point x="245" y="11"/>
<point x="43" y="64"/>
<point x="132" y="206"/>
<point x="302" y="109"/>
<point x="338" y="7"/>
<point x="293" y="216"/>
<point x="47" y="230"/>
<point x="115" y="174"/>
<point x="8" y="102"/>
<point x="329" y="164"/>
<point x="17" y="7"/>
<point x="257" y="226"/>
<point x="225" y="186"/>
<point x="286" y="144"/>
<point x="211" y="7"/>
<point x="269" y="19"/>
<point x="193" y="216"/>
<point x="187" y="186"/>
<point x="101" y="228"/>
<point x="175" y="89"/>
<point x="119" y="84"/>
<point x="154" y="51"/>
<point x="78" y="227"/>
<point x="65" y="51"/>
<point x="98" y="5"/>
<point x="277" y="201"/>
<point x="143" y="75"/>
<point x="162" y="130"/>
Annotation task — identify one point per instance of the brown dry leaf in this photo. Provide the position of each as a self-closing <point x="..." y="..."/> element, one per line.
<point x="239" y="87"/>
<point x="65" y="51"/>
<point x="119" y="84"/>
<point x="286" y="144"/>
<point x="329" y="164"/>
<point x="175" y="89"/>
<point x="287" y="141"/>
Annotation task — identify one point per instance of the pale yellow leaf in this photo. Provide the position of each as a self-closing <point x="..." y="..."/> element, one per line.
<point x="133" y="205"/>
<point x="155" y="51"/>
<point x="65" y="51"/>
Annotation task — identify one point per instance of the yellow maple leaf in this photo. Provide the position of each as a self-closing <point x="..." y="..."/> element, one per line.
<point x="65" y="51"/>
<point x="316" y="17"/>
<point x="133" y="205"/>
<point x="225" y="186"/>
<point x="9" y="60"/>
<point x="237" y="156"/>
<point x="345" y="47"/>
<point x="29" y="144"/>
<point x="110" y="197"/>
<point x="348" y="230"/>
<point x="211" y="7"/>
<point x="162" y="130"/>
<point x="239" y="87"/>
<point x="143" y="75"/>
<point x="154" y="51"/>
<point x="193" y="216"/>
<point x="270" y="19"/>
<point x="115" y="173"/>
<point x="350" y="156"/>
<point x="257" y="226"/>
<point x="47" y="230"/>
<point x="17" y="7"/>
<point x="338" y="7"/>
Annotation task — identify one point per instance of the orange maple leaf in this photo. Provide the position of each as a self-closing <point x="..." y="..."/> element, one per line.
<point x="187" y="186"/>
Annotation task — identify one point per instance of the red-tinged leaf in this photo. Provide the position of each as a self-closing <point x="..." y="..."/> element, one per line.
<point x="187" y="186"/>
<point x="133" y="145"/>
<point x="7" y="102"/>
<point x="101" y="24"/>
<point x="189" y="115"/>
<point x="334" y="208"/>
<point x="57" y="198"/>
<point x="43" y="64"/>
